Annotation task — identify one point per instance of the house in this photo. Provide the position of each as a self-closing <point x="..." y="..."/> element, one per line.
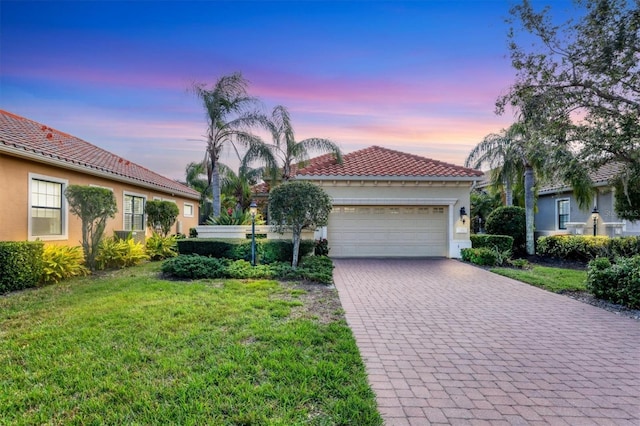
<point x="558" y="211"/>
<point x="37" y="163"/>
<point x="388" y="203"/>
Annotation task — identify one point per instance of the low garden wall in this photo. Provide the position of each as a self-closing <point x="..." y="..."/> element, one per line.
<point x="244" y="231"/>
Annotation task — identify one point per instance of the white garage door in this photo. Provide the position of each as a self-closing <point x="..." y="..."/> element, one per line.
<point x="388" y="231"/>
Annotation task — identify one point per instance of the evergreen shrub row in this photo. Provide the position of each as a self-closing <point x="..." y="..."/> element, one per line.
<point x="21" y="265"/>
<point x="586" y="247"/>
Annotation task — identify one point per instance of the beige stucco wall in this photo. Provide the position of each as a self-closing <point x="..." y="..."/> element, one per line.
<point x="14" y="201"/>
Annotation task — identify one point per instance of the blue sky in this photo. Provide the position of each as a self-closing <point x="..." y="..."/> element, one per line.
<point x="418" y="76"/>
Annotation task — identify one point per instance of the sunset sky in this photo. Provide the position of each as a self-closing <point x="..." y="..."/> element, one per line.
<point x="418" y="76"/>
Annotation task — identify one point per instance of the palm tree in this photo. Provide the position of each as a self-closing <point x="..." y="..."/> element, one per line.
<point x="196" y="178"/>
<point x="518" y="151"/>
<point x="228" y="108"/>
<point x="502" y="154"/>
<point x="238" y="185"/>
<point x="285" y="147"/>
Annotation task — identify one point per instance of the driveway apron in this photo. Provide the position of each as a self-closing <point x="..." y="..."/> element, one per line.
<point x="448" y="343"/>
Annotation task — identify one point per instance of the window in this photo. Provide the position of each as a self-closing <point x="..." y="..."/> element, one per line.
<point x="563" y="213"/>
<point x="47" y="208"/>
<point x="133" y="212"/>
<point x="188" y="210"/>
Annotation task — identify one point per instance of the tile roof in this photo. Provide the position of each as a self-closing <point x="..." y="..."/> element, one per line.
<point x="600" y="177"/>
<point x="23" y="137"/>
<point x="381" y="162"/>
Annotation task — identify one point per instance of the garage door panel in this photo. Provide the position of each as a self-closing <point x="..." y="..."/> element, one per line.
<point x="388" y="231"/>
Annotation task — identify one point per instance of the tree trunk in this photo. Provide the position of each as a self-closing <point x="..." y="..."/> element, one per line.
<point x="529" y="182"/>
<point x="508" y="193"/>
<point x="296" y="247"/>
<point x="215" y="187"/>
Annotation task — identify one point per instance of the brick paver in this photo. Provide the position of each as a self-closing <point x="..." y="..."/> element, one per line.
<point x="448" y="343"/>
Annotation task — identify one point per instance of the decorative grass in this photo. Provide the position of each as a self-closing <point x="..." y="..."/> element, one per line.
<point x="133" y="349"/>
<point x="556" y="280"/>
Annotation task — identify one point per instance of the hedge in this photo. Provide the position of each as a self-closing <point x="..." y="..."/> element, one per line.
<point x="267" y="251"/>
<point x="586" y="247"/>
<point x="21" y="265"/>
<point x="499" y="242"/>
<point x="617" y="282"/>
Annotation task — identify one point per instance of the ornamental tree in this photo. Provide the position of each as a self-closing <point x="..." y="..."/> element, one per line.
<point x="93" y="205"/>
<point x="161" y="215"/>
<point x="297" y="205"/>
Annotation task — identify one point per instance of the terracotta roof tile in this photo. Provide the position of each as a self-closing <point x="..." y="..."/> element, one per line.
<point x="23" y="135"/>
<point x="376" y="161"/>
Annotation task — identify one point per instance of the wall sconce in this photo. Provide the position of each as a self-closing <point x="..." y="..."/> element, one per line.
<point x="463" y="214"/>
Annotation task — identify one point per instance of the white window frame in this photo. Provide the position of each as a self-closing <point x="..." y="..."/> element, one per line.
<point x="144" y="216"/>
<point x="558" y="200"/>
<point x="64" y="209"/>
<point x="184" y="209"/>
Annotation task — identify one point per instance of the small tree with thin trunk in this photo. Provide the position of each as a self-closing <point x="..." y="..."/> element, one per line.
<point x="297" y="205"/>
<point x="93" y="206"/>
<point x="161" y="215"/>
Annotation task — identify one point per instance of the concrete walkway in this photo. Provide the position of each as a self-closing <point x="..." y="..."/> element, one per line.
<point x="448" y="343"/>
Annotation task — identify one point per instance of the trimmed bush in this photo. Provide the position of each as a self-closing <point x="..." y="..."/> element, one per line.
<point x="194" y="267"/>
<point x="499" y="242"/>
<point x="62" y="262"/>
<point x="617" y="282"/>
<point x="482" y="256"/>
<point x="312" y="268"/>
<point x="267" y="251"/>
<point x="586" y="247"/>
<point x="510" y="221"/>
<point x="322" y="247"/>
<point x="20" y="265"/>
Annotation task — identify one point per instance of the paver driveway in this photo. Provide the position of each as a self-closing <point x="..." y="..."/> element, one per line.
<point x="445" y="342"/>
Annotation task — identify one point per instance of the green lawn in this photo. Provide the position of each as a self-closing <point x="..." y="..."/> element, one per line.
<point x="553" y="279"/>
<point x="130" y="348"/>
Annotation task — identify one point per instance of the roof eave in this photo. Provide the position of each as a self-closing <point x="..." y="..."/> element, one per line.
<point x="391" y="178"/>
<point x="84" y="168"/>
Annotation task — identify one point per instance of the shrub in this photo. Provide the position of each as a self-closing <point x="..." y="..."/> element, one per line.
<point x="159" y="247"/>
<point x="243" y="270"/>
<point x="482" y="256"/>
<point x="617" y="282"/>
<point x="587" y="247"/>
<point x="510" y="221"/>
<point x="267" y="251"/>
<point x="20" y="265"/>
<point x="321" y="248"/>
<point x="282" y="250"/>
<point x="498" y="242"/>
<point x="161" y="215"/>
<point x="62" y="262"/>
<point x="194" y="267"/>
<point x="118" y="253"/>
<point x="206" y="247"/>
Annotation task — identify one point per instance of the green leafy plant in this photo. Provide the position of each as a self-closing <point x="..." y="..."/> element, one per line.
<point x="584" y="247"/>
<point x="161" y="215"/>
<point x="20" y="265"/>
<point x="159" y="247"/>
<point x="119" y="253"/>
<point x="297" y="205"/>
<point x="499" y="242"/>
<point x="93" y="205"/>
<point x="194" y="267"/>
<point x="322" y="247"/>
<point x="482" y="256"/>
<point x="242" y="269"/>
<point x="62" y="262"/>
<point x="519" y="263"/>
<point x="509" y="221"/>
<point x="618" y="282"/>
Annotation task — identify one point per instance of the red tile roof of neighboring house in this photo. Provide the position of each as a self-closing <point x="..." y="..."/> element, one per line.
<point x="26" y="138"/>
<point x="376" y="161"/>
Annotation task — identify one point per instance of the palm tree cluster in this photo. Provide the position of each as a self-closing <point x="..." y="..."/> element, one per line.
<point x="232" y="115"/>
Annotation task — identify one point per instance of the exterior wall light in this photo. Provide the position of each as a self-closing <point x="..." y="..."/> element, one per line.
<point x="463" y="214"/>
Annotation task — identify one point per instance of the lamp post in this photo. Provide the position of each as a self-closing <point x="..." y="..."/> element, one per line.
<point x="594" y="213"/>
<point x="253" y="209"/>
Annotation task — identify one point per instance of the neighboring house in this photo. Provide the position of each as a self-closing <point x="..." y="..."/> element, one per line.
<point x="558" y="211"/>
<point x="37" y="163"/>
<point x="393" y="204"/>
